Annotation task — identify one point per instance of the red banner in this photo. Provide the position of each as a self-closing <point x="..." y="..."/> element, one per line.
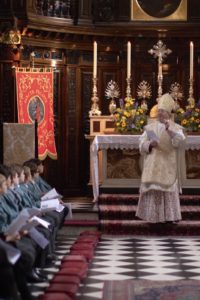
<point x="35" y="102"/>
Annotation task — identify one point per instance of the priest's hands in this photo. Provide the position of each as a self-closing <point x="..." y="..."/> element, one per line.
<point x="166" y="123"/>
<point x="167" y="127"/>
<point x="152" y="145"/>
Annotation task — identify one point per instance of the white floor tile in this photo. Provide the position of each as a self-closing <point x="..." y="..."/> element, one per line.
<point x="162" y="277"/>
<point x="104" y="277"/>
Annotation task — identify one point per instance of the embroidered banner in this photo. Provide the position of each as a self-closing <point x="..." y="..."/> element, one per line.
<point x="35" y="102"/>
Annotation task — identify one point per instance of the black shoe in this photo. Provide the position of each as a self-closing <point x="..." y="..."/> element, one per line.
<point x="50" y="261"/>
<point x="34" y="277"/>
<point x="41" y="274"/>
<point x="51" y="257"/>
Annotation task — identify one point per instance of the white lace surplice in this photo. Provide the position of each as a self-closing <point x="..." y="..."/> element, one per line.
<point x="158" y="203"/>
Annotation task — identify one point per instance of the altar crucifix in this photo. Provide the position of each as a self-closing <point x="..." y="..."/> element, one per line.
<point x="159" y="51"/>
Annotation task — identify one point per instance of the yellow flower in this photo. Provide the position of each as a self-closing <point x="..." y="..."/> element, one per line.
<point x="127" y="114"/>
<point x="192" y="119"/>
<point x="123" y="124"/>
<point x="197" y="120"/>
<point x="127" y="105"/>
<point x="141" y="111"/>
<point x="184" y="122"/>
<point x="137" y="113"/>
<point x="142" y="122"/>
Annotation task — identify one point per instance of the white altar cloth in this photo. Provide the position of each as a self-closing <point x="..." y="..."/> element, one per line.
<point x="122" y="142"/>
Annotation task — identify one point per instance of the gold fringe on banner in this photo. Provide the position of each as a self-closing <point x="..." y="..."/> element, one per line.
<point x="33" y="70"/>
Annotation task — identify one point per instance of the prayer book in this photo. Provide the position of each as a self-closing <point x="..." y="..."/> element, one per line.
<point x="18" y="223"/>
<point x="48" y="205"/>
<point x="41" y="222"/>
<point x="152" y="136"/>
<point x="52" y="194"/>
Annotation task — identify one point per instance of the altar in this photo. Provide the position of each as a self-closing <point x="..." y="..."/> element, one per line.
<point x="120" y="162"/>
<point x="115" y="161"/>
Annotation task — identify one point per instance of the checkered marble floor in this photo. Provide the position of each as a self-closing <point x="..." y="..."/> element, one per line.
<point x="159" y="258"/>
<point x="128" y="257"/>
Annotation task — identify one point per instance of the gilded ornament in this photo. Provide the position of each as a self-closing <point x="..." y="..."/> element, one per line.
<point x="112" y="91"/>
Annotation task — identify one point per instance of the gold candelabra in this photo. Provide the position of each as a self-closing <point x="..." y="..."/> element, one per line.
<point x="191" y="100"/>
<point x="95" y="99"/>
<point x="128" y="87"/>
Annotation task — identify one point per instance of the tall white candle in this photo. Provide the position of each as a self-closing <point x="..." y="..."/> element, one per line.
<point x="191" y="60"/>
<point x="128" y="59"/>
<point x="95" y="60"/>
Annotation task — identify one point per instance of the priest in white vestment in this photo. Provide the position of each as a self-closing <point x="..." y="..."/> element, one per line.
<point x="160" y="185"/>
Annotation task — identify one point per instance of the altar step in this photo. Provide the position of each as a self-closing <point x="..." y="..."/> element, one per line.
<point x="136" y="227"/>
<point x="117" y="215"/>
<point x="131" y="199"/>
<point x="113" y="212"/>
<point x="84" y="216"/>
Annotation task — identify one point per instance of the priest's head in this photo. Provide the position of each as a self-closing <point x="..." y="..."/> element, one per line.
<point x="166" y="106"/>
<point x="166" y="102"/>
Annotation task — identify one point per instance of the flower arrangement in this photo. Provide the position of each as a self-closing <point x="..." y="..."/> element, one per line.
<point x="130" y="117"/>
<point x="189" y="118"/>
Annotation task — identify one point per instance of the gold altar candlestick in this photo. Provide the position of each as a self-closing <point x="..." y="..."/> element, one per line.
<point x="95" y="99"/>
<point x="191" y="100"/>
<point x="94" y="111"/>
<point x="128" y="88"/>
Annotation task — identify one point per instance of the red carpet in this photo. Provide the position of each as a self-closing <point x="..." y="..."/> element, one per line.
<point x="117" y="215"/>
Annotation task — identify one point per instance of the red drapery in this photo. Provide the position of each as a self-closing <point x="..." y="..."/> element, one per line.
<point x="35" y="102"/>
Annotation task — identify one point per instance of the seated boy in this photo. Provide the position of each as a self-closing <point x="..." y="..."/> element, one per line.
<point x="13" y="278"/>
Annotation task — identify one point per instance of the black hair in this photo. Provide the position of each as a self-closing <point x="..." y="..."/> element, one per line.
<point x="36" y="161"/>
<point x="5" y="170"/>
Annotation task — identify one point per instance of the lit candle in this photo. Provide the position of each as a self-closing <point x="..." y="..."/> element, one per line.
<point x="95" y="60"/>
<point x="191" y="60"/>
<point x="128" y="59"/>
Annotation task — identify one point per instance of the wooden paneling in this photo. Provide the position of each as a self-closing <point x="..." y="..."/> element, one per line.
<point x="194" y="10"/>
